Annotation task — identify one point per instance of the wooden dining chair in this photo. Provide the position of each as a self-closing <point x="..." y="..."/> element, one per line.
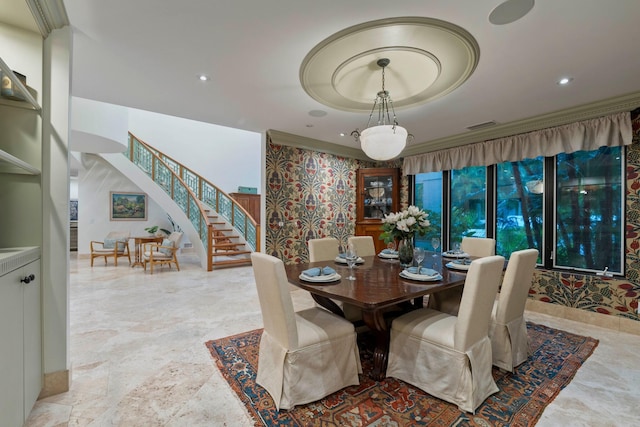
<point x="305" y="355"/>
<point x="449" y="356"/>
<point x="508" y="328"/>
<point x="365" y="245"/>
<point x="327" y="249"/>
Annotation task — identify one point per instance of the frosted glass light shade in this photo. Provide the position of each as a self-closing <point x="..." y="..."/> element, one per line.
<point x="383" y="142"/>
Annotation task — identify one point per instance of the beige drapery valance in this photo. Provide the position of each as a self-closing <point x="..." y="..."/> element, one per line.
<point x="588" y="135"/>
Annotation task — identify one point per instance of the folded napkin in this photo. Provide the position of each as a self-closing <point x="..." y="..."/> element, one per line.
<point x="389" y="252"/>
<point x="454" y="254"/>
<point x="314" y="272"/>
<point x="462" y="261"/>
<point x="423" y="271"/>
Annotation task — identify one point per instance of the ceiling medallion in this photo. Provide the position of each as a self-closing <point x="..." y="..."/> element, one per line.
<point x="428" y="59"/>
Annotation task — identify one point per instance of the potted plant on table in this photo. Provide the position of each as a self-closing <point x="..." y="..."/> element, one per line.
<point x="154" y="229"/>
<point x="402" y="227"/>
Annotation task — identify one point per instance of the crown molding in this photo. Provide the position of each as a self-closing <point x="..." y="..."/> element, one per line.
<point x="291" y="140"/>
<point x="49" y="15"/>
<point x="601" y="108"/>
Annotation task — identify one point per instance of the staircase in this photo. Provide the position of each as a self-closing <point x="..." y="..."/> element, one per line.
<point x="227" y="231"/>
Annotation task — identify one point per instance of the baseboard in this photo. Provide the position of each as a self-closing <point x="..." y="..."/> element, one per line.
<point x="55" y="383"/>
<point x="615" y="323"/>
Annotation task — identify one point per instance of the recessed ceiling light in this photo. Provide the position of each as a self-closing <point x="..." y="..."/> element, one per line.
<point x="342" y="134"/>
<point x="203" y="77"/>
<point x="565" y="81"/>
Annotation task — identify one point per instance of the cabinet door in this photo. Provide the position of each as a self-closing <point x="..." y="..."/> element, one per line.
<point x="378" y="193"/>
<point x="11" y="350"/>
<point x="32" y="336"/>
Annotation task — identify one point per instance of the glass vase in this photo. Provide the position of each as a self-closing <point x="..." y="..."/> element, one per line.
<point x="405" y="251"/>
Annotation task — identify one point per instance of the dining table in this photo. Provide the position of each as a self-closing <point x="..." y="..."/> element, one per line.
<point x="377" y="290"/>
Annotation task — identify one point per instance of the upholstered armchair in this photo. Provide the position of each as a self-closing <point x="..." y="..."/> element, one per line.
<point x="115" y="245"/>
<point x="305" y="355"/>
<point x="449" y="356"/>
<point x="162" y="253"/>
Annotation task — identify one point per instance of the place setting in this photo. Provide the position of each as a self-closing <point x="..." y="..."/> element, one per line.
<point x="342" y="259"/>
<point x="456" y="252"/>
<point x="419" y="273"/>
<point x="320" y="275"/>
<point x="459" y="264"/>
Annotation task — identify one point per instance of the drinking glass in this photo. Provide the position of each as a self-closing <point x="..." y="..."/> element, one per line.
<point x="435" y="242"/>
<point x="418" y="256"/>
<point x="351" y="256"/>
<point x="456" y="248"/>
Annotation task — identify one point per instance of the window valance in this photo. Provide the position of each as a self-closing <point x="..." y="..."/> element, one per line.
<point x="588" y="135"/>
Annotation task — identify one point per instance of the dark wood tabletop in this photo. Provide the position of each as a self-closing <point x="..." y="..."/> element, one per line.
<point x="377" y="286"/>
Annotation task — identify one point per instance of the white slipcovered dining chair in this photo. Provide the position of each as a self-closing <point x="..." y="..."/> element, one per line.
<point x="327" y="249"/>
<point x="364" y="245"/>
<point x="306" y="355"/>
<point x="508" y="328"/>
<point x="449" y="299"/>
<point x="478" y="246"/>
<point x="449" y="356"/>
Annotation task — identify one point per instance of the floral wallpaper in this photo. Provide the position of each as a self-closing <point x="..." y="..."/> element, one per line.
<point x="310" y="194"/>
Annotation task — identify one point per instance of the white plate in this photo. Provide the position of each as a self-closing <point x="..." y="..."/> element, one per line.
<point x="420" y="277"/>
<point x="321" y="279"/>
<point x="344" y="260"/>
<point x="455" y="255"/>
<point x="457" y="266"/>
<point x="388" y="256"/>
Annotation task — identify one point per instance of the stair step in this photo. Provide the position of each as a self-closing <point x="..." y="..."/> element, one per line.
<point x="232" y="262"/>
<point x="230" y="253"/>
<point x="226" y="246"/>
<point x="222" y="229"/>
<point x="224" y="237"/>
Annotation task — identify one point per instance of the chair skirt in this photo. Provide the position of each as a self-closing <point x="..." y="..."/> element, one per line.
<point x="433" y="364"/>
<point x="509" y="343"/>
<point x="323" y="363"/>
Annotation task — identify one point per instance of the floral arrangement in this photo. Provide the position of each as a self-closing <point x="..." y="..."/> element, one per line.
<point x="405" y="224"/>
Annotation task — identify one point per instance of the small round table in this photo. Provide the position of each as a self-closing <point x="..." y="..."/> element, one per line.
<point x="139" y="241"/>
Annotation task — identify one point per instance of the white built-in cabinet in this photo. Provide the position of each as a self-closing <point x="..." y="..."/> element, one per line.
<point x="20" y="334"/>
<point x="21" y="219"/>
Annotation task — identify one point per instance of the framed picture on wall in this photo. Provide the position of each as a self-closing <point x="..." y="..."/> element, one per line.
<point x="73" y="210"/>
<point x="127" y="206"/>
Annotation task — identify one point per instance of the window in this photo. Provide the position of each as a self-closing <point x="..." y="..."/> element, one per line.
<point x="468" y="203"/>
<point x="570" y="207"/>
<point x="519" y="206"/>
<point x="428" y="196"/>
<point x="588" y="213"/>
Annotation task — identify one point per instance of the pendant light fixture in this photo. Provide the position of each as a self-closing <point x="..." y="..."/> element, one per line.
<point x="386" y="139"/>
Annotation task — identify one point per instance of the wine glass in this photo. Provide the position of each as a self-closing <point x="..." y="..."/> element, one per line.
<point x="435" y="242"/>
<point x="418" y="256"/>
<point x="351" y="257"/>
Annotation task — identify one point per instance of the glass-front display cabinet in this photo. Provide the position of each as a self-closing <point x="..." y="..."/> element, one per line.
<point x="378" y="194"/>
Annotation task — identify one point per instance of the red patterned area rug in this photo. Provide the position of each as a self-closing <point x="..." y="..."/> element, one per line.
<point x="557" y="356"/>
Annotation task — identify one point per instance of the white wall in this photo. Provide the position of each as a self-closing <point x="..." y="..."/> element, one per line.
<point x="97" y="179"/>
<point x="227" y="157"/>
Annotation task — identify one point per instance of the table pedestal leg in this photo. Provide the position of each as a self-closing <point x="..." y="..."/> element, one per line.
<point x="328" y="303"/>
<point x="375" y="321"/>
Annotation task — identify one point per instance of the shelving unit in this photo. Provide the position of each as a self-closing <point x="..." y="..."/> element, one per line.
<point x="30" y="101"/>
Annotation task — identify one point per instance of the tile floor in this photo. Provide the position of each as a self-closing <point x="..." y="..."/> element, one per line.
<point x="138" y="356"/>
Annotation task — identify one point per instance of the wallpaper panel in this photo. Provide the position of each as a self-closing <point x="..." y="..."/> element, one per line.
<point x="309" y="195"/>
